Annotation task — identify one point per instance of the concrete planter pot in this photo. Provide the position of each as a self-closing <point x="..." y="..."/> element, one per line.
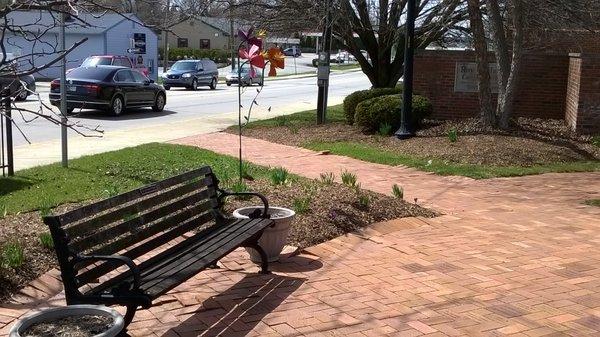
<point x="49" y="315"/>
<point x="274" y="238"/>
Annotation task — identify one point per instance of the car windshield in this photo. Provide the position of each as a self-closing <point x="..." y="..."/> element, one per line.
<point x="96" y="61"/>
<point x="187" y="65"/>
<point x="244" y="70"/>
<point x="95" y="73"/>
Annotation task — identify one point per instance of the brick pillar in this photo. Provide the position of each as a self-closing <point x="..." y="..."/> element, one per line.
<point x="582" y="107"/>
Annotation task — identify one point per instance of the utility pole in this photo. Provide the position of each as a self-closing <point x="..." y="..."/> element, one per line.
<point x="63" y="93"/>
<point x="405" y="130"/>
<point x="323" y="69"/>
<point x="231" y="36"/>
<point x="166" y="39"/>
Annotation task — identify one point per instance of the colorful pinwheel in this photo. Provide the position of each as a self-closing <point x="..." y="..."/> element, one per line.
<point x="246" y="36"/>
<point x="254" y="57"/>
<point x="276" y="60"/>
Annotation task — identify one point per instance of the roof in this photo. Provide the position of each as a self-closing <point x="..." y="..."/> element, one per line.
<point x="86" y="23"/>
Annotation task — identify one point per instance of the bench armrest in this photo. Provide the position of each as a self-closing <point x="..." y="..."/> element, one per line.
<point x="119" y="258"/>
<point x="265" y="213"/>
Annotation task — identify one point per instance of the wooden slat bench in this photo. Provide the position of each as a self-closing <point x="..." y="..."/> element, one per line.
<point x="173" y="229"/>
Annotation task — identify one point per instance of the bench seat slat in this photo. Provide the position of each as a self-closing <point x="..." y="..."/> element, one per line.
<point x="129" y="225"/>
<point x="118" y="200"/>
<point x="236" y="232"/>
<point x="184" y="262"/>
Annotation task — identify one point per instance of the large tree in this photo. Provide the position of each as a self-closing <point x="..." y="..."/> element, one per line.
<point x="375" y="26"/>
<point x="518" y="26"/>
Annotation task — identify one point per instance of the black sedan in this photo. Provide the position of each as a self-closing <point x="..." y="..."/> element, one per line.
<point x="109" y="88"/>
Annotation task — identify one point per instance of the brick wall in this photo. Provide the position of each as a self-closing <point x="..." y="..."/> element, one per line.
<point x="582" y="112"/>
<point x="541" y="90"/>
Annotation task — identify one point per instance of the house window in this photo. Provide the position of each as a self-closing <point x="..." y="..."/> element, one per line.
<point x="182" y="43"/>
<point x="204" y="44"/>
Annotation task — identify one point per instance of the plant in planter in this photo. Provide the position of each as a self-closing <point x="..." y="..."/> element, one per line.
<point x="273" y="238"/>
<point x="73" y="321"/>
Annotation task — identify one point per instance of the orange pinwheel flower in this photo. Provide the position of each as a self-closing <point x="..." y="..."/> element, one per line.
<point x="276" y="60"/>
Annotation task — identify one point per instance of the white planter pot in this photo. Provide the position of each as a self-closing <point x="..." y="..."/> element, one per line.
<point x="49" y="315"/>
<point x="274" y="238"/>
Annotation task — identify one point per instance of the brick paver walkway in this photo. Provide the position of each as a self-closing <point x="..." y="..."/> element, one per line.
<point x="511" y="257"/>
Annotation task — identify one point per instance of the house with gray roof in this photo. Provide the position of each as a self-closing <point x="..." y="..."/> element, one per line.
<point x="107" y="34"/>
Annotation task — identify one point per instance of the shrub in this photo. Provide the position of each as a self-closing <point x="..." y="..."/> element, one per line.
<point x="12" y="255"/>
<point x="363" y="200"/>
<point x="217" y="55"/>
<point x="385" y="129"/>
<point x="46" y="240"/>
<point x="349" y="179"/>
<point x="281" y="120"/>
<point x="596" y="141"/>
<point x="374" y="112"/>
<point x="301" y="205"/>
<point x="279" y="176"/>
<point x="452" y="135"/>
<point x="327" y="178"/>
<point x="351" y="101"/>
<point x="398" y="191"/>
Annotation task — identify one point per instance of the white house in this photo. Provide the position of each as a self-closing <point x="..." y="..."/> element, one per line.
<point x="107" y="34"/>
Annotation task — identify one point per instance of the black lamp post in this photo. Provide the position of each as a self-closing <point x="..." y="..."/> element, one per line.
<point x="405" y="130"/>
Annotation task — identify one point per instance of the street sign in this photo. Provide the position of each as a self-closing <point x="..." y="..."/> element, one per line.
<point x="134" y="51"/>
<point x="139" y="43"/>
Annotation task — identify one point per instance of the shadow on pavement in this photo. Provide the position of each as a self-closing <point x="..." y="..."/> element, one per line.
<point x="237" y="310"/>
<point x="130" y="114"/>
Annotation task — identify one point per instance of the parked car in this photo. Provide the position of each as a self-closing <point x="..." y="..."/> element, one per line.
<point x="15" y="84"/>
<point x="232" y="77"/>
<point x="191" y="74"/>
<point x="109" y="88"/>
<point x="113" y="60"/>
<point x="294" y="52"/>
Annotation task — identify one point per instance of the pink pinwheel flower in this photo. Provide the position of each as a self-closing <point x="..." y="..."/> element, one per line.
<point x="254" y="57"/>
<point x="246" y="36"/>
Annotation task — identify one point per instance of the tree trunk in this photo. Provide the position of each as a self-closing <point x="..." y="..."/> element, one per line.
<point x="508" y="101"/>
<point x="500" y="49"/>
<point x="488" y="117"/>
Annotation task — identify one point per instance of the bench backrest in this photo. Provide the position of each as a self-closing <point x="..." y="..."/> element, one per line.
<point x="133" y="223"/>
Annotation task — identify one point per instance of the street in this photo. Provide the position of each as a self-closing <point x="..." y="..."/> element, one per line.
<point x="186" y="113"/>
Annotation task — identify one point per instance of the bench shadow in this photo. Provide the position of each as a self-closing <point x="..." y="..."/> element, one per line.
<point x="237" y="310"/>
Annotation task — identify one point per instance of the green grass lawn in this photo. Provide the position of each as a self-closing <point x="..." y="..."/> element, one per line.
<point x="373" y="154"/>
<point x="335" y="113"/>
<point x="593" y="202"/>
<point x="105" y="174"/>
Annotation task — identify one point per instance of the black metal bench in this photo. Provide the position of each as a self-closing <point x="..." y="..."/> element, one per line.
<point x="173" y="229"/>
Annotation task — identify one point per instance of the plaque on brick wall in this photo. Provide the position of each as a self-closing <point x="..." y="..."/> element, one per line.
<point x="465" y="79"/>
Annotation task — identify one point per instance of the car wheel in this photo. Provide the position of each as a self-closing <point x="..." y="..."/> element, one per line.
<point x="194" y="84"/>
<point x="261" y="82"/>
<point x="228" y="84"/>
<point x="167" y="87"/>
<point x="159" y="102"/>
<point x="213" y="84"/>
<point x="117" y="105"/>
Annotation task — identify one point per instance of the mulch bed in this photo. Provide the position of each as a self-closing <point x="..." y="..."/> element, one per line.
<point x="333" y="210"/>
<point x="530" y="142"/>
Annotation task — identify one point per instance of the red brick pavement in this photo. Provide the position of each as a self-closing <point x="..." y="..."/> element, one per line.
<point x="512" y="256"/>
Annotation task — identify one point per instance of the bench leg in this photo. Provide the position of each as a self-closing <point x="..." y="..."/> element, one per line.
<point x="263" y="257"/>
<point x="131" y="309"/>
